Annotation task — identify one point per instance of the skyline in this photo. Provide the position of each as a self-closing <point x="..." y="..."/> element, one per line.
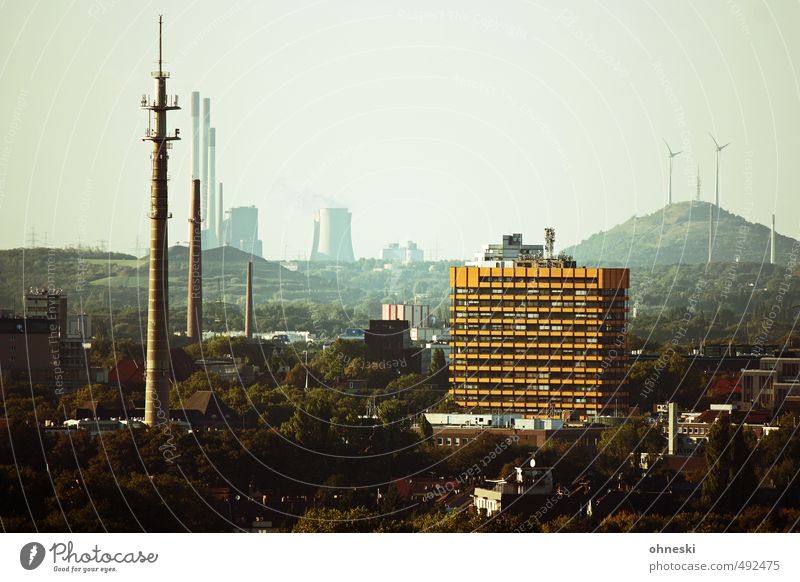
<point x="645" y="379"/>
<point x="439" y="116"/>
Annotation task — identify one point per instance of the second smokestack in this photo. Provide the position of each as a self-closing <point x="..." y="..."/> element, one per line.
<point x="194" y="311"/>
<point x="212" y="187"/>
<point x="772" y="243"/>
<point x="220" y="223"/>
<point x="248" y="308"/>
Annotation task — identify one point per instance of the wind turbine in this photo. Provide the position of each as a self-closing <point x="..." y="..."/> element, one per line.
<point x="716" y="182"/>
<point x="712" y="226"/>
<point x="671" y="156"/>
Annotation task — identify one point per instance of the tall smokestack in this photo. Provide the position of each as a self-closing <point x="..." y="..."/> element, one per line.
<point x="194" y="310"/>
<point x="220" y="230"/>
<point x="212" y="187"/>
<point x="157" y="366"/>
<point x="204" y="179"/>
<point x="248" y="304"/>
<point x="772" y="243"/>
<point x="196" y="136"/>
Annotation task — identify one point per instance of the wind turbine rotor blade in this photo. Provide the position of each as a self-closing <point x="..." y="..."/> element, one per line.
<point x="726" y="145"/>
<point x="668" y="148"/>
<point x="715" y="139"/>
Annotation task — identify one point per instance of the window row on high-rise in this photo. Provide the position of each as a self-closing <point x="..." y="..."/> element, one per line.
<point x="541" y="315"/>
<point x="527" y="291"/>
<point x="590" y="302"/>
<point x="561" y="327"/>
<point x="534" y="351"/>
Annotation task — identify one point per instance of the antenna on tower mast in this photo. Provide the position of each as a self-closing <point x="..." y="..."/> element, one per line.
<point x="697" y="195"/>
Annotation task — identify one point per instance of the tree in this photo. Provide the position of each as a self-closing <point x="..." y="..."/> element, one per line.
<point x="622" y="448"/>
<point x="331" y="362"/>
<point x="729" y="480"/>
<point x="438" y="368"/>
<point x="425" y="427"/>
<point x="329" y="520"/>
<point x="310" y="425"/>
<point x="668" y="378"/>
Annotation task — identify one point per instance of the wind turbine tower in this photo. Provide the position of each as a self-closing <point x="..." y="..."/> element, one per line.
<point x="671" y="157"/>
<point x="716" y="198"/>
<point x="716" y="183"/>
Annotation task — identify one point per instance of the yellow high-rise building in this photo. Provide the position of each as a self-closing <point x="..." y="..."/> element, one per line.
<point x="532" y="333"/>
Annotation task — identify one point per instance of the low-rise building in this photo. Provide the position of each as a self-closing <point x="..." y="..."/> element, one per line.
<point x="526" y="482"/>
<point x="768" y="386"/>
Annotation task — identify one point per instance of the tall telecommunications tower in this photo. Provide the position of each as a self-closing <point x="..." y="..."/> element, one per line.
<point x="157" y="366"/>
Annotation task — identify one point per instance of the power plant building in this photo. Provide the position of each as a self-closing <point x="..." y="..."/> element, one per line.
<point x="240" y="230"/>
<point x="410" y="253"/>
<point x="332" y="236"/>
<point x="533" y="334"/>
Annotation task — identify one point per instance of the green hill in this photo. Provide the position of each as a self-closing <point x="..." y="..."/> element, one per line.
<point x="678" y="234"/>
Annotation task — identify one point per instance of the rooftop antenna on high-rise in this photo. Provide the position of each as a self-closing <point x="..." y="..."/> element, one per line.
<point x="549" y="242"/>
<point x="157" y="364"/>
<point x="671" y="157"/>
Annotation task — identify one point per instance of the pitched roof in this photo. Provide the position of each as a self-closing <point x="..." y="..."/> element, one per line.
<point x="208" y="404"/>
<point x="130" y="372"/>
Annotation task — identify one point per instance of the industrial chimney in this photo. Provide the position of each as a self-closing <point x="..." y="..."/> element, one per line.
<point x="772" y="243"/>
<point x="248" y="308"/>
<point x="195" y="137"/>
<point x="220" y="229"/>
<point x="212" y="188"/>
<point x="206" y="131"/>
<point x="157" y="365"/>
<point x="332" y="236"/>
<point x="672" y="428"/>
<point x="194" y="311"/>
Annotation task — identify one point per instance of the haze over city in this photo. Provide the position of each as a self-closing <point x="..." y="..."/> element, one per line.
<point x="444" y="125"/>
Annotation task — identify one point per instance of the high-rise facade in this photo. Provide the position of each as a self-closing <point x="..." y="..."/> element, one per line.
<point x="532" y="333"/>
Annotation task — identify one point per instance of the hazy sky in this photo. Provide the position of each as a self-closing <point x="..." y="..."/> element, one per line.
<point x="447" y="123"/>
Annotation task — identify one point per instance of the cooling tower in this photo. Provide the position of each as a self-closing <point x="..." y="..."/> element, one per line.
<point x="332" y="236"/>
